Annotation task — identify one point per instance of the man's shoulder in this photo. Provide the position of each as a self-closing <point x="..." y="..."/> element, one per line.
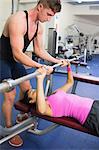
<point x="17" y="21"/>
<point x="17" y="17"/>
<point x="19" y="14"/>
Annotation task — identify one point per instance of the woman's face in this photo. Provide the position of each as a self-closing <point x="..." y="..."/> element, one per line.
<point x="32" y="95"/>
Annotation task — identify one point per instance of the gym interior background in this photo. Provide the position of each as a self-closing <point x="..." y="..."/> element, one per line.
<point x="77" y="28"/>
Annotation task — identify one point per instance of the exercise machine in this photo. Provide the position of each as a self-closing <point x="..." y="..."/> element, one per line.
<point x="65" y="121"/>
<point x="75" y="61"/>
<point x="31" y="122"/>
<point x="7" y="85"/>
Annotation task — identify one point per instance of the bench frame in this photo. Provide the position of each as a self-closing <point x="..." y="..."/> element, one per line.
<point x="31" y="123"/>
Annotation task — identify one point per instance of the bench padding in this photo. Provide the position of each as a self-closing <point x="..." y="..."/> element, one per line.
<point x="86" y="78"/>
<point x="65" y="121"/>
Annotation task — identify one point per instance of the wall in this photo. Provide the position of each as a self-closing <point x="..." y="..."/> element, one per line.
<point x="60" y="21"/>
<point x="65" y="19"/>
<point x="86" y="19"/>
<point x="85" y="25"/>
<point x="70" y="14"/>
<point x="77" y="15"/>
<point x="5" y="11"/>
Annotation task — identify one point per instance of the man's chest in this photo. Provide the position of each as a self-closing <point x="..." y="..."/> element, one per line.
<point x="32" y="29"/>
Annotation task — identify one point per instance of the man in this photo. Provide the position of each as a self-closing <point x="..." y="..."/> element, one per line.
<point x="20" y="29"/>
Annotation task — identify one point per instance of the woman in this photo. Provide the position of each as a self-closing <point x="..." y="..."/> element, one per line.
<point x="60" y="103"/>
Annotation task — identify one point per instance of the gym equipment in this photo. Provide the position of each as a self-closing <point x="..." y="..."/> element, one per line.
<point x="85" y="42"/>
<point x="92" y="44"/>
<point x="52" y="37"/>
<point x="76" y="64"/>
<point x="9" y="84"/>
<point x="65" y="121"/>
<point x="8" y="133"/>
<point x="76" y="61"/>
<point x="12" y="9"/>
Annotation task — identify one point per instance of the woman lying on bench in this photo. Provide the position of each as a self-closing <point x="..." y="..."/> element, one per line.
<point x="60" y="103"/>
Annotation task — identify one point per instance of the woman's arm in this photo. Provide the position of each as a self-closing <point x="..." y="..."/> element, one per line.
<point x="70" y="81"/>
<point x="40" y="102"/>
<point x="42" y="106"/>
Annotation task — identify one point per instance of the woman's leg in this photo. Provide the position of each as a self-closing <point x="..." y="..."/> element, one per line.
<point x="92" y="121"/>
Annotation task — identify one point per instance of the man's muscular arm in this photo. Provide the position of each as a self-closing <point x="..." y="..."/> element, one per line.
<point x="39" y="49"/>
<point x="16" y="34"/>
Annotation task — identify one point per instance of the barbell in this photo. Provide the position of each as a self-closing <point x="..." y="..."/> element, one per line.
<point x="9" y="84"/>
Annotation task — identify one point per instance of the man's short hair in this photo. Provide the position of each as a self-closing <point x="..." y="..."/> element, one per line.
<point x="55" y="5"/>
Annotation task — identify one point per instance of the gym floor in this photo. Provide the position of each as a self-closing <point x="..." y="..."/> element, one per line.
<point x="62" y="138"/>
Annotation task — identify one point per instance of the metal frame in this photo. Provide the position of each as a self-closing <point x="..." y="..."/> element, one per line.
<point x="30" y="124"/>
<point x="32" y="121"/>
<point x="54" y="125"/>
<point x="10" y="83"/>
<point x="8" y="133"/>
<point x="37" y="131"/>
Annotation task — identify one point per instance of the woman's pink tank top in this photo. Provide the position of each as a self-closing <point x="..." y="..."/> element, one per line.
<point x="71" y="105"/>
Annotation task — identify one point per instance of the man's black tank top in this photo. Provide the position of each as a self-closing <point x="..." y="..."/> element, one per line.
<point x="5" y="46"/>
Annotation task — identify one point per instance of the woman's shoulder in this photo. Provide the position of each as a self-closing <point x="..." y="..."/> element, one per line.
<point x="58" y="92"/>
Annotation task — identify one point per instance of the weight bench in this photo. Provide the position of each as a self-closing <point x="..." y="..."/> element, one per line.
<point x="77" y="64"/>
<point x="31" y="122"/>
<point x="65" y="121"/>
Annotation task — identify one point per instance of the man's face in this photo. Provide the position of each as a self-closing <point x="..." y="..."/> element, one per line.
<point x="45" y="14"/>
